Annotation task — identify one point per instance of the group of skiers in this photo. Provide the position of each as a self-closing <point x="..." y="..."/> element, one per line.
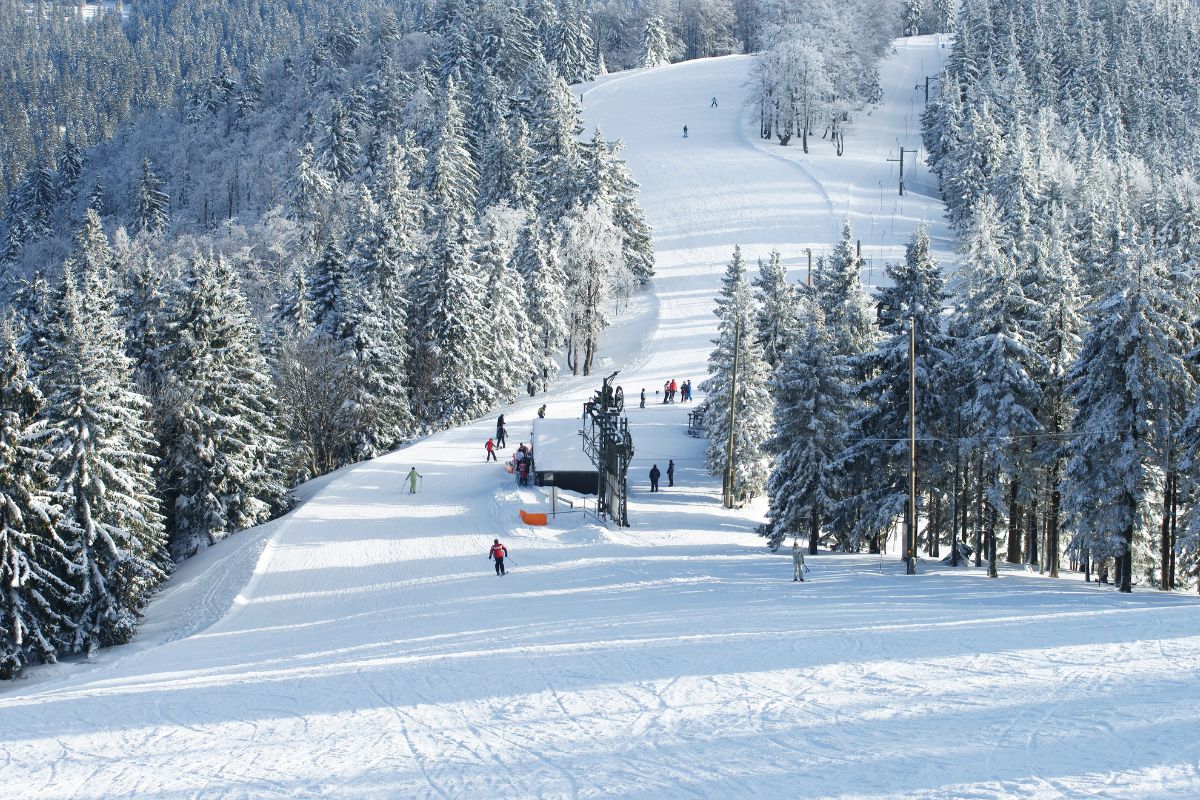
<point x="656" y="473"/>
<point x="671" y="389"/>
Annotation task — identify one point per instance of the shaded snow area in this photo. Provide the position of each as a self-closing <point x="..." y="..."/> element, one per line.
<point x="362" y="647"/>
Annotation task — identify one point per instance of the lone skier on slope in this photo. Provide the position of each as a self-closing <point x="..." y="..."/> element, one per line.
<point x="685" y="131"/>
<point x="412" y="480"/>
<point x="497" y="554"/>
<point x="797" y="561"/>
<point x="714" y="103"/>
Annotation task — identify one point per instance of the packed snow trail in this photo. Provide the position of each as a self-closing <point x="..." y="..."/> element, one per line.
<point x="363" y="647"/>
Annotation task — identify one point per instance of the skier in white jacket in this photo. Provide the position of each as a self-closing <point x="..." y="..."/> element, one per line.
<point x="798" y="561"/>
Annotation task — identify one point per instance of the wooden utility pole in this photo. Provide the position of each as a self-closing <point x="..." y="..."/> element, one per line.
<point x="808" y="250"/>
<point x="737" y="346"/>
<point x="910" y="558"/>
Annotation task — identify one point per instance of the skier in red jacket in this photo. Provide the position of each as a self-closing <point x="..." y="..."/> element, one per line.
<point x="497" y="554"/>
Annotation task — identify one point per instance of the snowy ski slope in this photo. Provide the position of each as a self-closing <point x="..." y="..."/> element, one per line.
<point x="361" y="647"/>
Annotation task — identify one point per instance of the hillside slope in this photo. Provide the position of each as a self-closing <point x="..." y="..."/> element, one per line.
<point x="362" y="647"/>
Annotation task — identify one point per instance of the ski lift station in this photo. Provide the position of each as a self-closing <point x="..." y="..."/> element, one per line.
<point x="558" y="456"/>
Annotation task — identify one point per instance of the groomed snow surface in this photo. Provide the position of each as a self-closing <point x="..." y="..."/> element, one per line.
<point x="362" y="647"/>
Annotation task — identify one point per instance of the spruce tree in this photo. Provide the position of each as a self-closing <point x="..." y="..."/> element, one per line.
<point x="777" y="302"/>
<point x="1006" y="365"/>
<point x="33" y="560"/>
<point x="218" y="471"/>
<point x="1122" y="398"/>
<point x="341" y="149"/>
<point x="811" y="398"/>
<point x="880" y="425"/>
<point x="511" y="359"/>
<point x="655" y="50"/>
<point x="536" y="260"/>
<point x="452" y="343"/>
<point x="103" y="468"/>
<point x="153" y="205"/>
<point x="737" y="336"/>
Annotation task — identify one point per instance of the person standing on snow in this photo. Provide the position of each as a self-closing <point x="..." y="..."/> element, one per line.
<point x="643" y="405"/>
<point x="412" y="480"/>
<point x="685" y="131"/>
<point x="670" y="472"/>
<point x="491" y="450"/>
<point x="797" y="561"/>
<point x="674" y="389"/>
<point x="714" y="103"/>
<point x="666" y="392"/>
<point x="497" y="554"/>
<point x="654" y="476"/>
<point x="542" y="412"/>
<point x="501" y="434"/>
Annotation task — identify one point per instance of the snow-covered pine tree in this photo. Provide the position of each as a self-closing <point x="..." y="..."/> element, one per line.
<point x="310" y="190"/>
<point x="142" y="302"/>
<point x="552" y="114"/>
<point x="637" y="244"/>
<point x="292" y="315"/>
<point x="536" y="259"/>
<point x="655" y="50"/>
<point x="504" y="172"/>
<point x="753" y="410"/>
<point x="1052" y="274"/>
<point x="847" y="309"/>
<point x="811" y="399"/>
<point x="341" y="148"/>
<point x="451" y="178"/>
<point x="369" y="321"/>
<point x="590" y="247"/>
<point x="69" y="168"/>
<point x="103" y="468"/>
<point x="218" y="416"/>
<point x="32" y="557"/>
<point x="96" y="197"/>
<point x="505" y="306"/>
<point x="777" y="301"/>
<point x="849" y="322"/>
<point x="328" y="287"/>
<point x="1121" y="389"/>
<point x="570" y="45"/>
<point x="153" y="205"/>
<point x="880" y="424"/>
<point x="910" y="18"/>
<point x="1006" y="365"/>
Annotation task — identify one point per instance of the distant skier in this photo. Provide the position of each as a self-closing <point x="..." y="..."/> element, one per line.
<point x="412" y="480"/>
<point x="497" y="554"/>
<point x="666" y="392"/>
<point x="670" y="472"/>
<point x="542" y="412"/>
<point x="654" y="476"/>
<point x="491" y="450"/>
<point x="643" y="405"/>
<point x="713" y="104"/>
<point x="501" y="433"/>
<point x="797" y="561"/>
<point x="685" y="131"/>
<point x="674" y="389"/>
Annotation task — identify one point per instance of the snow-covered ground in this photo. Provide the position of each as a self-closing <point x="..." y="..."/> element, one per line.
<point x="362" y="647"/>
